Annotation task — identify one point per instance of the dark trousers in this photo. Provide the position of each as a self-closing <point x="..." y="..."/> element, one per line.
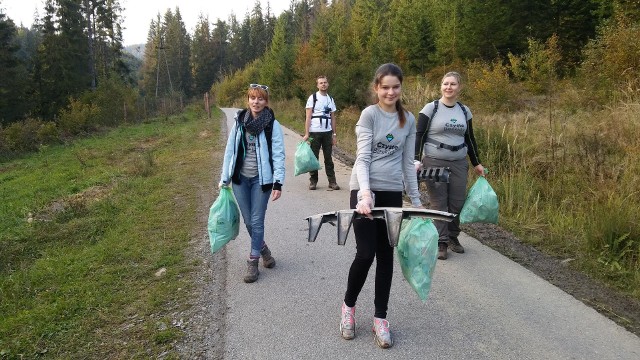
<point x="323" y="140"/>
<point x="448" y="197"/>
<point x="372" y="242"/>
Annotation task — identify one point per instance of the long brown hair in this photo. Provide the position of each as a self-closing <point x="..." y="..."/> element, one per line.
<point x="391" y="69"/>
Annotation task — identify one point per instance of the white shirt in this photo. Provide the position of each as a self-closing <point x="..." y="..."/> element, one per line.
<point x="324" y="107"/>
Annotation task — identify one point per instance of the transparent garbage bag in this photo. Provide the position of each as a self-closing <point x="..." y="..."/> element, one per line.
<point x="481" y="205"/>
<point x="224" y="219"/>
<point x="305" y="160"/>
<point x="417" y="251"/>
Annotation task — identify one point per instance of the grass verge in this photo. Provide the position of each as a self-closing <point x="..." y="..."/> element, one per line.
<point x="94" y="236"/>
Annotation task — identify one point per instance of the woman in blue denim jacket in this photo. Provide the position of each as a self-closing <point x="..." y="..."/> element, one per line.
<point x="254" y="166"/>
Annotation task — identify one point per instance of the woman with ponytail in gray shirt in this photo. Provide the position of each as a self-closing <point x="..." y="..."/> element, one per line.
<point x="383" y="169"/>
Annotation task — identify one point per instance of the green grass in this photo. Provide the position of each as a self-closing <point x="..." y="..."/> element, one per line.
<point x="85" y="227"/>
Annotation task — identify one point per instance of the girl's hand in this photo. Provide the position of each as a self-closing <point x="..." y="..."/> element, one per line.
<point x="275" y="195"/>
<point x="365" y="203"/>
<point x="479" y="169"/>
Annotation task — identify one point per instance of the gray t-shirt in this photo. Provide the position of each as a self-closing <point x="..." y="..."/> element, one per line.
<point x="448" y="126"/>
<point x="384" y="160"/>
<point x="250" y="165"/>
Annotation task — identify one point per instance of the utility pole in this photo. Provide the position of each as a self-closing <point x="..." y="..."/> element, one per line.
<point x="161" y="51"/>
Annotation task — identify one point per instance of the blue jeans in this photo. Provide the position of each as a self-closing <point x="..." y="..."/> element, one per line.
<point x="253" y="206"/>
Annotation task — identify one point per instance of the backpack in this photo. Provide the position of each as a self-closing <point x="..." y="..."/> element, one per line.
<point x="268" y="132"/>
<point x="313" y="108"/>
<point x="435" y="109"/>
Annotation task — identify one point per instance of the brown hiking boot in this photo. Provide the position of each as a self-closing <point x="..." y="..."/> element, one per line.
<point x="252" y="271"/>
<point x="334" y="186"/>
<point x="442" y="251"/>
<point x="312" y="186"/>
<point x="267" y="260"/>
<point x="454" y="245"/>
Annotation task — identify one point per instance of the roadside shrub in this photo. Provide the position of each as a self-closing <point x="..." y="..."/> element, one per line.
<point x="27" y="135"/>
<point x="114" y="100"/>
<point x="612" y="62"/>
<point x="538" y="66"/>
<point x="232" y="89"/>
<point x="488" y="87"/>
<point x="78" y="118"/>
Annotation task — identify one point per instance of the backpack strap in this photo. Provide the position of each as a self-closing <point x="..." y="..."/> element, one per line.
<point x="435" y="110"/>
<point x="464" y="111"/>
<point x="437" y="143"/>
<point x="313" y="109"/>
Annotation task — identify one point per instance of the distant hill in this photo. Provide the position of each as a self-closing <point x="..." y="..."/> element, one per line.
<point x="136" y="50"/>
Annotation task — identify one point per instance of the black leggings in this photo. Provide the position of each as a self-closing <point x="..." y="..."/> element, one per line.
<point x="372" y="242"/>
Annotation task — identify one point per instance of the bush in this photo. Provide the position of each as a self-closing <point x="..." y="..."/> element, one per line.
<point x="231" y="91"/>
<point x="78" y="118"/>
<point x="115" y="101"/>
<point x="27" y="135"/>
<point x="612" y="63"/>
<point x="537" y="67"/>
<point x="489" y="88"/>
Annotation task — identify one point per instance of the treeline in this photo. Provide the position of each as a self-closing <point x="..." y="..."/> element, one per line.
<point x="347" y="39"/>
<point x="64" y="76"/>
<point x="68" y="74"/>
<point x="74" y="46"/>
<point x="177" y="61"/>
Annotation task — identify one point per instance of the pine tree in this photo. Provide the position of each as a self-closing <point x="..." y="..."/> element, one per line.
<point x="278" y="61"/>
<point x="13" y="75"/>
<point x="203" y="57"/>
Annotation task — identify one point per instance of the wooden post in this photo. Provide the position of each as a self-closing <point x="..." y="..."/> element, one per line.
<point x="207" y="107"/>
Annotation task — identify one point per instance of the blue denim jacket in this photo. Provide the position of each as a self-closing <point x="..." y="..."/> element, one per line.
<point x="266" y="174"/>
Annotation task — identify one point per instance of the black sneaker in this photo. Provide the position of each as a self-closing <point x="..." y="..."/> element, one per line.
<point x="312" y="186"/>
<point x="455" y="246"/>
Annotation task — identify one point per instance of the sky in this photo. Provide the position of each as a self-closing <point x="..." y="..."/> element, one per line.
<point x="139" y="13"/>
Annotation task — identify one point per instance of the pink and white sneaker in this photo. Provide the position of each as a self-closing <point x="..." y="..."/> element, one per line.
<point x="348" y="322"/>
<point x="381" y="333"/>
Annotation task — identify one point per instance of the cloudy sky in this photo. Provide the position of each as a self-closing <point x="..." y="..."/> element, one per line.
<point x="139" y="13"/>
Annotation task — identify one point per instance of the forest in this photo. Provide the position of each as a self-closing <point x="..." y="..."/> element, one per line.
<point x="554" y="86"/>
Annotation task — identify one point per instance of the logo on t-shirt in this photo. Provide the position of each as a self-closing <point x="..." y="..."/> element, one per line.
<point x="452" y="127"/>
<point x="389" y="137"/>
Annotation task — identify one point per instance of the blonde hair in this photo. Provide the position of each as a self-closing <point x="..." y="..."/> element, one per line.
<point x="453" y="74"/>
<point x="258" y="92"/>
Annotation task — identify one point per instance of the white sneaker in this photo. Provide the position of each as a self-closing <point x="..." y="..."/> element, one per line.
<point x="381" y="333"/>
<point x="348" y="322"/>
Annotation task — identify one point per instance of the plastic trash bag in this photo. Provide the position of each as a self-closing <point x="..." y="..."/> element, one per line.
<point x="305" y="160"/>
<point x="224" y="219"/>
<point x="417" y="251"/>
<point x="481" y="205"/>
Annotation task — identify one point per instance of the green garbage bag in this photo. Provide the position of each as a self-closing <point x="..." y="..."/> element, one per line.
<point x="481" y="205"/>
<point x="305" y="160"/>
<point x="417" y="251"/>
<point x="224" y="220"/>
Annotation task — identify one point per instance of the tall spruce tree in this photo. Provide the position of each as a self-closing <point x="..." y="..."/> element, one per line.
<point x="13" y="75"/>
<point x="178" y="41"/>
<point x="203" y="57"/>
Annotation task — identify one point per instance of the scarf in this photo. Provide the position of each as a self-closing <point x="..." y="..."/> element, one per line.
<point x="256" y="125"/>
